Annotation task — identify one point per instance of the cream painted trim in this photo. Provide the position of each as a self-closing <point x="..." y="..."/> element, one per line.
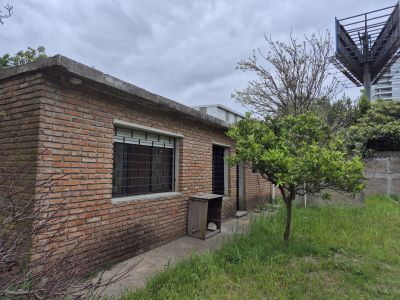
<point x="146" y="128"/>
<point x="226" y="166"/>
<point x="178" y="143"/>
<point x="226" y="173"/>
<point x="157" y="196"/>
<point x="220" y="144"/>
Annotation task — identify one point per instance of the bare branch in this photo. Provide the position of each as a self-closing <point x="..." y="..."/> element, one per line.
<point x="8" y="12"/>
<point x="292" y="77"/>
<point x="32" y="265"/>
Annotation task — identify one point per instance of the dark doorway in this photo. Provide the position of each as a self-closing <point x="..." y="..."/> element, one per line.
<point x="218" y="176"/>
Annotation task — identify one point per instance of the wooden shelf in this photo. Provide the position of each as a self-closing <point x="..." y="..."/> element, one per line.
<point x="209" y="233"/>
<point x="204" y="209"/>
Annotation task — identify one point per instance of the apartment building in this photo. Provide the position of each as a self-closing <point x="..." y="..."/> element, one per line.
<point x="388" y="87"/>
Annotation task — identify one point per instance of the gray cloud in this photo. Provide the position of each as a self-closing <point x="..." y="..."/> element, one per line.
<point x="186" y="50"/>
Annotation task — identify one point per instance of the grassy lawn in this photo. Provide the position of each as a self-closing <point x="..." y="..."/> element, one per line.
<point x="335" y="253"/>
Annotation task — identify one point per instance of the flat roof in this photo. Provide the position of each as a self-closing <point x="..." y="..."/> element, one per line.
<point x="221" y="106"/>
<point x="112" y="85"/>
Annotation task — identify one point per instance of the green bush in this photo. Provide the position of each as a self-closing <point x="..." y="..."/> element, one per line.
<point x="378" y="129"/>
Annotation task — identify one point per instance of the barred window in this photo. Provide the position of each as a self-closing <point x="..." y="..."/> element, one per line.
<point x="143" y="163"/>
<point x="218" y="170"/>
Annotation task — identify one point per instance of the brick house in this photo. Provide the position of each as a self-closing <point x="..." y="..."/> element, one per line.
<point x="130" y="158"/>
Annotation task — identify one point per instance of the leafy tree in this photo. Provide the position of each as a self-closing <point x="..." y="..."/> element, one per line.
<point x="363" y="104"/>
<point x="8" y="10"/>
<point x="339" y="114"/>
<point x="22" y="57"/>
<point x="291" y="77"/>
<point x="377" y="129"/>
<point x="299" y="154"/>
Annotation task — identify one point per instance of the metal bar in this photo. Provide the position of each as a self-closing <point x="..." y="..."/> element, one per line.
<point x="336" y="33"/>
<point x="374" y="43"/>
<point x="355" y="33"/>
<point x="362" y="27"/>
<point x="370" y="12"/>
<point x="370" y="19"/>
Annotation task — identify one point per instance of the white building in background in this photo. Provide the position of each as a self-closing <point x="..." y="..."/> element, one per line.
<point x="222" y="112"/>
<point x="388" y="87"/>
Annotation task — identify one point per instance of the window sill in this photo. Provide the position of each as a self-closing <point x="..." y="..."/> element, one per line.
<point x="145" y="197"/>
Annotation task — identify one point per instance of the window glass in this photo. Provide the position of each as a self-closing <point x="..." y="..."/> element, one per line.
<point x="143" y="164"/>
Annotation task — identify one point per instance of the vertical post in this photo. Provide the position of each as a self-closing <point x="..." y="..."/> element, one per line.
<point x="273" y="192"/>
<point x="366" y="71"/>
<point x="367" y="81"/>
<point x="336" y="34"/>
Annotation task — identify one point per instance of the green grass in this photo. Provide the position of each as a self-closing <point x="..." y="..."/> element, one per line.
<point x="334" y="253"/>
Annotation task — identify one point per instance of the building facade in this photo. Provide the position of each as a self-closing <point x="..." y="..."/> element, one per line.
<point x="221" y="112"/>
<point x="127" y="160"/>
<point x="388" y="87"/>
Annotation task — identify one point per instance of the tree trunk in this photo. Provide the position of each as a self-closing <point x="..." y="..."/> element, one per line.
<point x="288" y="218"/>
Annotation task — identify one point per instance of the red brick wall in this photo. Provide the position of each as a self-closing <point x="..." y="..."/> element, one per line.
<point x="257" y="190"/>
<point x="19" y="122"/>
<point x="77" y="129"/>
<point x="74" y="126"/>
<point x="19" y="119"/>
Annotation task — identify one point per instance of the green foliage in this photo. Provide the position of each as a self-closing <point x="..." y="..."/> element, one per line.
<point x="339" y="114"/>
<point x="336" y="253"/>
<point x="364" y="105"/>
<point x="378" y="127"/>
<point x="297" y="153"/>
<point x="22" y="57"/>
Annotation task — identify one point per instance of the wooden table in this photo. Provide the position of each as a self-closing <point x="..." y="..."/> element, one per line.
<point x="203" y="210"/>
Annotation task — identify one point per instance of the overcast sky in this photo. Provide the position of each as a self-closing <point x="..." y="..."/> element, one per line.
<point x="181" y="49"/>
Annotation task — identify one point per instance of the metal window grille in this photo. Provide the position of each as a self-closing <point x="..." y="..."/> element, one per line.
<point x="218" y="172"/>
<point x="143" y="163"/>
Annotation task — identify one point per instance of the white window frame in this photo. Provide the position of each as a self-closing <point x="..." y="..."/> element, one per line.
<point x="178" y="140"/>
<point x="226" y="166"/>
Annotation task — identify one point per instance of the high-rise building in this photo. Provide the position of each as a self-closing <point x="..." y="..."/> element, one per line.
<point x="388" y="87"/>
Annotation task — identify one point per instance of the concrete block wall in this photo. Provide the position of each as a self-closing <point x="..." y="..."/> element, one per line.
<point x="383" y="174"/>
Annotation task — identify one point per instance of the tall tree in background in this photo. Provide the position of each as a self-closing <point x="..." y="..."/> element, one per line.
<point x="5" y="13"/>
<point x="291" y="76"/>
<point x="22" y="57"/>
<point x="363" y="104"/>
